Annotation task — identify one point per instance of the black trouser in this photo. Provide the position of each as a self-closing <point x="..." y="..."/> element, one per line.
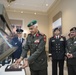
<point x="56" y="63"/>
<point x="71" y="69"/>
<point x="39" y="72"/>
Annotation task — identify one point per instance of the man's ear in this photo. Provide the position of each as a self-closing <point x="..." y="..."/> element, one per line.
<point x="37" y="27"/>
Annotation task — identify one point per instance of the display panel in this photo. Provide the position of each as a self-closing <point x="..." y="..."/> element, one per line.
<point x="6" y="48"/>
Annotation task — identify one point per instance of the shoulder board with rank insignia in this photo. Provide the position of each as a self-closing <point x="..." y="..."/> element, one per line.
<point x="44" y="36"/>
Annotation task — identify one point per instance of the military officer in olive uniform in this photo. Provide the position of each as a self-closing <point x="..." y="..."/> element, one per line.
<point x="71" y="52"/>
<point x="35" y="42"/>
<point x="57" y="45"/>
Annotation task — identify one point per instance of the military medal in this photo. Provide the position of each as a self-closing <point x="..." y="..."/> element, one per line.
<point x="36" y="41"/>
<point x="53" y="40"/>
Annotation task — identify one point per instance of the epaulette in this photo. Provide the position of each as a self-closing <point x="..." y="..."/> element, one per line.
<point x="43" y="36"/>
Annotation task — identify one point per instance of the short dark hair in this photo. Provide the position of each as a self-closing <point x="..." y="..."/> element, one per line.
<point x="56" y="29"/>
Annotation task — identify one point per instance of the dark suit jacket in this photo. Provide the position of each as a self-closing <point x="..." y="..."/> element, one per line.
<point x="57" y="47"/>
<point x="16" y="43"/>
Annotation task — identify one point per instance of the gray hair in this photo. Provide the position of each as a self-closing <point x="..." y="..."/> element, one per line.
<point x="35" y="25"/>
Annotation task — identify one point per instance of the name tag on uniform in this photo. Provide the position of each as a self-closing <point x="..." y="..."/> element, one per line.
<point x="53" y="40"/>
<point x="61" y="39"/>
<point x="36" y="41"/>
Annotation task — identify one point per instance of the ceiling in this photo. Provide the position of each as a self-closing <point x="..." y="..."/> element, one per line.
<point x="31" y="5"/>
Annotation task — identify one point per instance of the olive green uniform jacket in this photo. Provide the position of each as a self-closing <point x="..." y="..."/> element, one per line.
<point x="36" y="45"/>
<point x="71" y="48"/>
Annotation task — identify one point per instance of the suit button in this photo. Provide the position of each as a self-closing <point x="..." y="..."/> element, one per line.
<point x="58" y="44"/>
<point x="41" y="59"/>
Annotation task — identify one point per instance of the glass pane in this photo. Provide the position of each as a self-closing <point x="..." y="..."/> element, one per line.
<point x="4" y="42"/>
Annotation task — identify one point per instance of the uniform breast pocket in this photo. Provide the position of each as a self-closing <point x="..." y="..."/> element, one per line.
<point x="34" y="46"/>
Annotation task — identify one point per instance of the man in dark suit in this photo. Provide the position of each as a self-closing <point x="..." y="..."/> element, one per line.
<point x="17" y="41"/>
<point x="71" y="52"/>
<point x="57" y="45"/>
<point x="35" y="42"/>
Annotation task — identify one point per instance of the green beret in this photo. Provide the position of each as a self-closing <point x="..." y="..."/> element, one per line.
<point x="32" y="23"/>
<point x="73" y="29"/>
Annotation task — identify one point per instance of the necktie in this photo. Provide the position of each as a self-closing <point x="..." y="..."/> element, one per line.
<point x="57" y="37"/>
<point x="20" y="40"/>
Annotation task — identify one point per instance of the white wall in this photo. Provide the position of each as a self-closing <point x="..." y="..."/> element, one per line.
<point x="68" y="8"/>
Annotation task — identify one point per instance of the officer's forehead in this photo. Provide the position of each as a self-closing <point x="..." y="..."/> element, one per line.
<point x="31" y="27"/>
<point x="72" y="31"/>
<point x="57" y="30"/>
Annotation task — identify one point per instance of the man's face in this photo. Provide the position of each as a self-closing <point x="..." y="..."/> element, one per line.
<point x="72" y="34"/>
<point x="33" y="29"/>
<point x="19" y="34"/>
<point x="57" y="32"/>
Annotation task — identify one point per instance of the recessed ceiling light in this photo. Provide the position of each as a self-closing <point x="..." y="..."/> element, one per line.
<point x="21" y="11"/>
<point x="35" y="13"/>
<point x="8" y="5"/>
<point x="46" y="4"/>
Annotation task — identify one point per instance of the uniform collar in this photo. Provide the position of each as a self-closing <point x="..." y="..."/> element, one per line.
<point x="37" y="34"/>
<point x="57" y="36"/>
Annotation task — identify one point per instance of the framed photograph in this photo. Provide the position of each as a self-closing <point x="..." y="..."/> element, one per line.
<point x="57" y="21"/>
